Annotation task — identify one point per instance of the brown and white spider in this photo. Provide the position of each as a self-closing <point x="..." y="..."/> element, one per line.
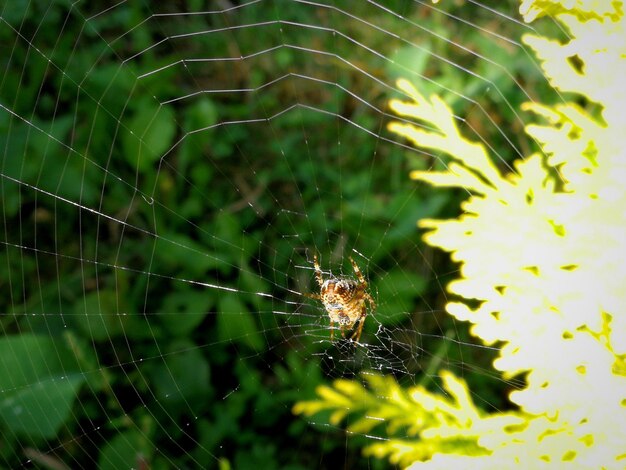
<point x="344" y="300"/>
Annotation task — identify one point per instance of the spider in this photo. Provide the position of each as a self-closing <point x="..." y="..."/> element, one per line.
<point x="344" y="300"/>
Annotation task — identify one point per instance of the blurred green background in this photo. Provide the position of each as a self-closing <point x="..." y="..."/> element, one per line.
<point x="161" y="169"/>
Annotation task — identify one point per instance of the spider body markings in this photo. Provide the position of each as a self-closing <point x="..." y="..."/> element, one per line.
<point x="344" y="300"/>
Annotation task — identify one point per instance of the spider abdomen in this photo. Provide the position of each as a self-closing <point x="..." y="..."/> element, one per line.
<point x="340" y="301"/>
<point x="344" y="299"/>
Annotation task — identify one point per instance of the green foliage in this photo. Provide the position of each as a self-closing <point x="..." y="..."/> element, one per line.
<point x="122" y="212"/>
<point x="112" y="197"/>
<point x="149" y="134"/>
<point x="405" y="413"/>
<point x="37" y="411"/>
<point x="541" y="251"/>
<point x="127" y="449"/>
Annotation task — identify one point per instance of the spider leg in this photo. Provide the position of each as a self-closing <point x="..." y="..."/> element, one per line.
<point x="318" y="271"/>
<point x="369" y="298"/>
<point x="318" y="277"/>
<point x="358" y="273"/>
<point x="357" y="335"/>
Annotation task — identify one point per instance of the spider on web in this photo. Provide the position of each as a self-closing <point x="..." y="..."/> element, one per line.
<point x="344" y="300"/>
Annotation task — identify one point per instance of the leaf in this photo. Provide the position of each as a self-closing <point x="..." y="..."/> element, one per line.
<point x="39" y="377"/>
<point x="177" y="251"/>
<point x="40" y="410"/>
<point x="408" y="58"/>
<point x="182" y="376"/>
<point x="183" y="311"/>
<point x="96" y="316"/>
<point x="150" y="133"/>
<point x="104" y="315"/>
<point x="234" y="323"/>
<point x="126" y="450"/>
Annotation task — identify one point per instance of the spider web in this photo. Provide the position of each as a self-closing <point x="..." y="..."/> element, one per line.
<point x="168" y="174"/>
